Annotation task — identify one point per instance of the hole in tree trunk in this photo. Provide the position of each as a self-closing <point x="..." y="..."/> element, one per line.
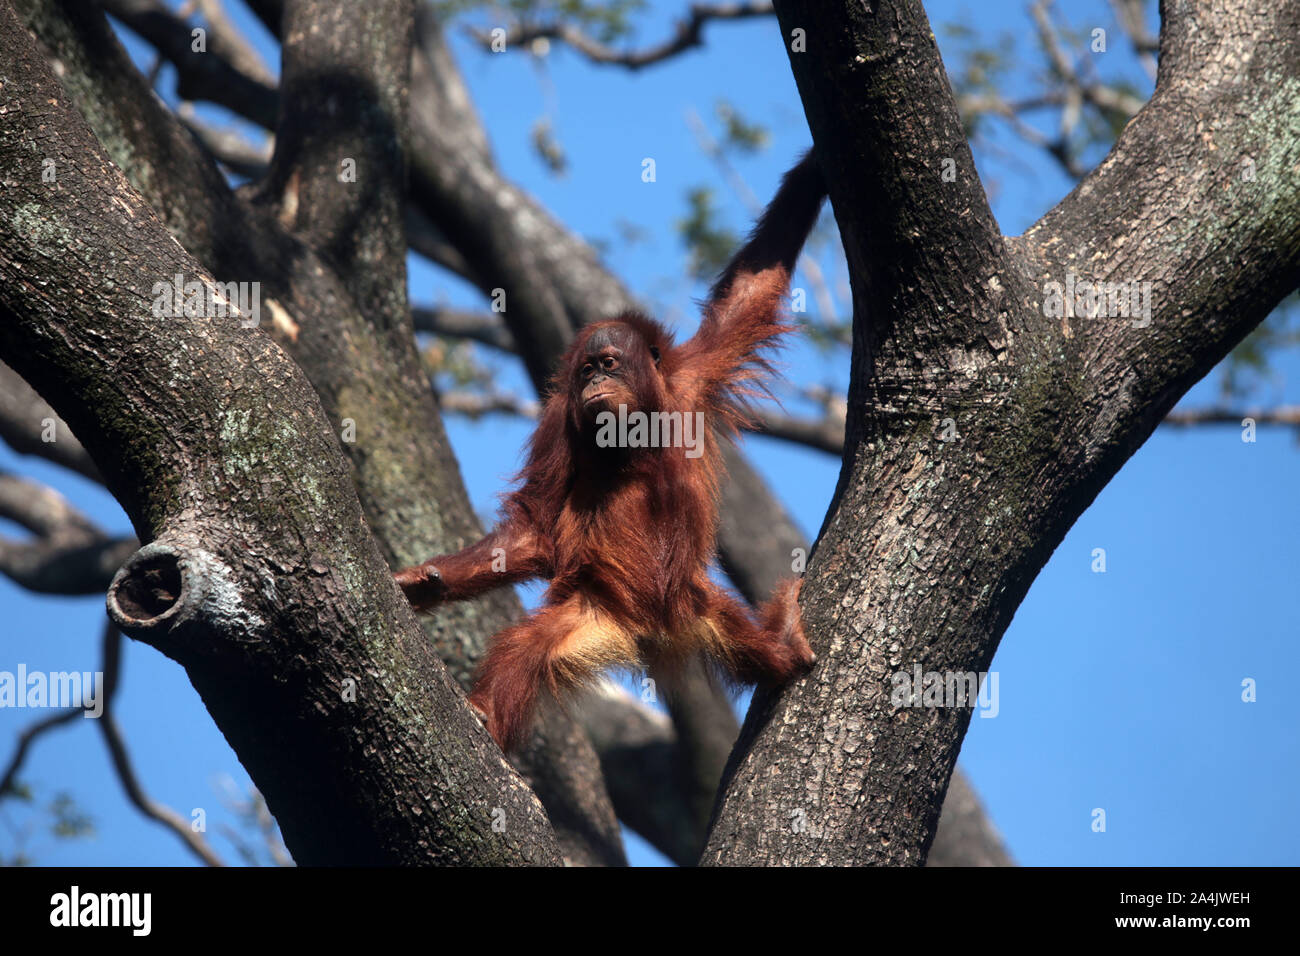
<point x="151" y="588"/>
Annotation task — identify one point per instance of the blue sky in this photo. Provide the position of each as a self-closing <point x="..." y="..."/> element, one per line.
<point x="1119" y="691"/>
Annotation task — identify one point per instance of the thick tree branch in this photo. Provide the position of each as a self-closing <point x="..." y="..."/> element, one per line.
<point x="651" y="783"/>
<point x="338" y="174"/>
<point x="552" y="281"/>
<point x="411" y="493"/>
<point x="219" y="74"/>
<point x="116" y="743"/>
<point x="981" y="422"/>
<point x="68" y="554"/>
<point x="1234" y="194"/>
<point x="30" y="426"/>
<point x="484" y="328"/>
<point x="964" y="836"/>
<point x="260" y="563"/>
<point x="228" y="147"/>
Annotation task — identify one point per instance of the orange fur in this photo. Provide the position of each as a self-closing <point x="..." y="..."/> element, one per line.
<point x="626" y="534"/>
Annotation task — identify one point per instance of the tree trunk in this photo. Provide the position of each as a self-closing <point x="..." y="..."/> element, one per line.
<point x="981" y="423"/>
<point x="261" y="577"/>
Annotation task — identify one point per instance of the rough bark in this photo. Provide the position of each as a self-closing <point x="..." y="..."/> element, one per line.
<point x="930" y="545"/>
<point x="772" y="543"/>
<point x="574" y="277"/>
<point x="506" y="236"/>
<point x="340" y="311"/>
<point x="261" y="577"/>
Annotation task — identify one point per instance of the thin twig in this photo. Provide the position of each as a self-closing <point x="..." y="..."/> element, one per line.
<point x="687" y="35"/>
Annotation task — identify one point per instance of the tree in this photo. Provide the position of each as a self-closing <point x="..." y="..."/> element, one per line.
<point x="993" y="394"/>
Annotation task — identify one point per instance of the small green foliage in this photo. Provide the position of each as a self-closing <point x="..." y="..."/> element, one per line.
<point x="69" y="820"/>
<point x="1248" y="367"/>
<point x="980" y="68"/>
<point x="548" y="147"/>
<point x="19" y="791"/>
<point x="737" y="132"/>
<point x="826" y="334"/>
<point x="710" y="245"/>
<point x="631" y="233"/>
<point x="454" y="364"/>
<point x="61" y="818"/>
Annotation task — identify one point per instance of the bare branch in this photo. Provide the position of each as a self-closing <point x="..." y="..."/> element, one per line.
<point x="48" y="568"/>
<point x="1288" y="415"/>
<point x="1131" y="15"/>
<point x="228" y="147"/>
<point x="30" y="426"/>
<point x="27" y="738"/>
<point x="157" y="812"/>
<point x="812" y="270"/>
<point x="42" y="510"/>
<point x="484" y="327"/>
<point x="212" y="75"/>
<point x="111" y="654"/>
<point x="228" y="41"/>
<point x="475" y="406"/>
<point x="822" y="434"/>
<point x="687" y="35"/>
<point x="69" y="553"/>
<point x="1070" y="92"/>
